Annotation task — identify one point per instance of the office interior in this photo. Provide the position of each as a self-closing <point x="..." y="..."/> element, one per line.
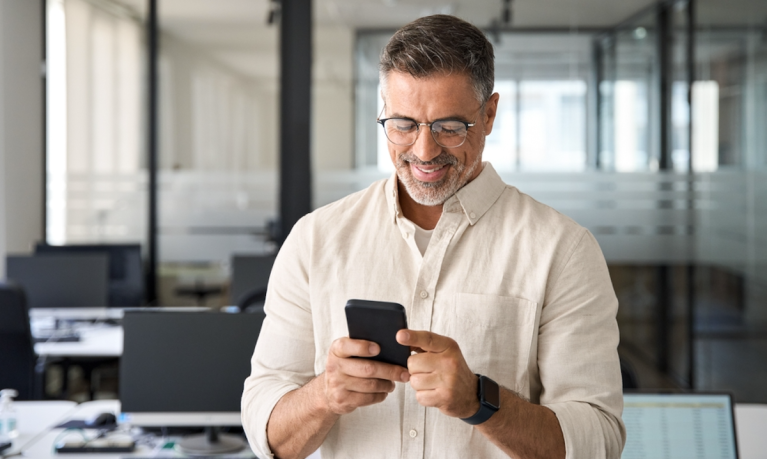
<point x="165" y="125"/>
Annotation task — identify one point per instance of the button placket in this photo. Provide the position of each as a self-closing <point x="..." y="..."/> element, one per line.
<point x="414" y="419"/>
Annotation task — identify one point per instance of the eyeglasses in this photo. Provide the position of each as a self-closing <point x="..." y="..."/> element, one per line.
<point x="447" y="133"/>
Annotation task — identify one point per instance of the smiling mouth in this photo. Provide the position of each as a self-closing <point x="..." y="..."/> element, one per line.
<point x="430" y="169"/>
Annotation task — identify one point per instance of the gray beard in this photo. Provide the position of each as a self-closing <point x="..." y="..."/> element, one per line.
<point x="435" y="193"/>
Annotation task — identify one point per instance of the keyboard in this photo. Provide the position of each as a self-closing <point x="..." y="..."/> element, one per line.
<point x="67" y="337"/>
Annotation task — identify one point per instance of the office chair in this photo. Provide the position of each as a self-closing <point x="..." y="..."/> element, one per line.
<point x="18" y="361"/>
<point x="253" y="300"/>
<point x="628" y="375"/>
<point x="249" y="272"/>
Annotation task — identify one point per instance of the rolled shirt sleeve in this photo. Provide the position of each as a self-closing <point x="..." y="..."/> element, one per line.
<point x="584" y="391"/>
<point x="283" y="359"/>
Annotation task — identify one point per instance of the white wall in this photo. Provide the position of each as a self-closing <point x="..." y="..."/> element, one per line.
<point x="333" y="99"/>
<point x="2" y="148"/>
<point x="21" y="133"/>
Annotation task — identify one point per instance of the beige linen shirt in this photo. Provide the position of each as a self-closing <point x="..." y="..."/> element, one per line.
<point x="523" y="290"/>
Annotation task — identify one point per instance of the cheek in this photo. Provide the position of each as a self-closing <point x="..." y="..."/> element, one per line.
<point x="393" y="154"/>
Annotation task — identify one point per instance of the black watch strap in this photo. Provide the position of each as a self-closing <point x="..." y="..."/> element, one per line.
<point x="489" y="395"/>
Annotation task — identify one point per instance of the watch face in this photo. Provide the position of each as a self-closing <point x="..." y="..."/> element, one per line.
<point x="491" y="394"/>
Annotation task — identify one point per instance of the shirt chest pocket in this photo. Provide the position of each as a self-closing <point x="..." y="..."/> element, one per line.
<point x="495" y="334"/>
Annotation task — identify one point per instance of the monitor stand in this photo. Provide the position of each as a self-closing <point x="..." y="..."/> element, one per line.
<point x="211" y="442"/>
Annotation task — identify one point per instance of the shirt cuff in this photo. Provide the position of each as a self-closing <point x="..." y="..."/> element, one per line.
<point x="588" y="431"/>
<point x="256" y="412"/>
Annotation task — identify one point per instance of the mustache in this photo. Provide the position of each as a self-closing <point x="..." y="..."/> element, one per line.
<point x="444" y="158"/>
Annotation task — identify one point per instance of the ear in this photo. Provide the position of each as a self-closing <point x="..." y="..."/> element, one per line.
<point x="491" y="109"/>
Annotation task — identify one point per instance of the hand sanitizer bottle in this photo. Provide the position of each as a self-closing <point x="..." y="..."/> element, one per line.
<point x="8" y="428"/>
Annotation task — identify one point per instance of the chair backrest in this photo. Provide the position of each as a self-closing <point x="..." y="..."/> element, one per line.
<point x="628" y="375"/>
<point x="249" y="273"/>
<point x="252" y="301"/>
<point x="17" y="353"/>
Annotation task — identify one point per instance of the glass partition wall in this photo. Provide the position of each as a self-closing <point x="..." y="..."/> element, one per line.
<point x="730" y="160"/>
<point x="682" y="113"/>
<point x="218" y="147"/>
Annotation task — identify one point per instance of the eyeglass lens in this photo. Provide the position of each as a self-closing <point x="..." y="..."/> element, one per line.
<point x="405" y="132"/>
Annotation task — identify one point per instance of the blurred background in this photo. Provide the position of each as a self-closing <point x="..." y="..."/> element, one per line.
<point x="644" y="121"/>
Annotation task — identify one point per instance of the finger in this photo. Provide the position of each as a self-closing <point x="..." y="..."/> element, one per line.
<point x="365" y="368"/>
<point x="424" y="381"/>
<point x="429" y="397"/>
<point x="425" y="362"/>
<point x="368" y="385"/>
<point x="345" y="402"/>
<point x="428" y="341"/>
<point x="347" y="347"/>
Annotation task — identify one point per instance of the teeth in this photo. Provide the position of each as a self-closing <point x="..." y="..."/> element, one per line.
<point x="429" y="171"/>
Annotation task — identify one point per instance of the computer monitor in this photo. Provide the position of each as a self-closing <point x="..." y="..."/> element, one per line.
<point x="249" y="272"/>
<point x="126" y="269"/>
<point x="69" y="281"/>
<point x="679" y="426"/>
<point x="187" y="369"/>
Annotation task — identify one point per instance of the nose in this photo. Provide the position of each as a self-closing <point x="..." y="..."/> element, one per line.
<point x="425" y="147"/>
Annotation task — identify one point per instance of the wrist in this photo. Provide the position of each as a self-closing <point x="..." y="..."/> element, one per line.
<point x="473" y="404"/>
<point x="320" y="397"/>
<point x="489" y="396"/>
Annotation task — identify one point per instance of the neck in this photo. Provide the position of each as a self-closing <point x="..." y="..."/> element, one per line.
<point x="424" y="216"/>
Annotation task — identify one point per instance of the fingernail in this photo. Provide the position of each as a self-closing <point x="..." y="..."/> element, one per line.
<point x="405" y="336"/>
<point x="405" y="376"/>
<point x="373" y="349"/>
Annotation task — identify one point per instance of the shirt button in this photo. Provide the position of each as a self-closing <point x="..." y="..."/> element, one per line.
<point x="424" y="295"/>
<point x="413" y="433"/>
<point x="473" y="215"/>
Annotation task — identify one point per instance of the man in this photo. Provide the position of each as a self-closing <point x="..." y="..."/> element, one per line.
<point x="497" y="287"/>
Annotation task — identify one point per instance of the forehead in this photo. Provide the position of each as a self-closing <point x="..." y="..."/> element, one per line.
<point x="432" y="97"/>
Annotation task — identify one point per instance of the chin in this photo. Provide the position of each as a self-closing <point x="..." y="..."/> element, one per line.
<point x="429" y="193"/>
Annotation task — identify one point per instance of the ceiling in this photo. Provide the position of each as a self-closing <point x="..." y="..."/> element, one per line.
<point x="394" y="13"/>
<point x="229" y="29"/>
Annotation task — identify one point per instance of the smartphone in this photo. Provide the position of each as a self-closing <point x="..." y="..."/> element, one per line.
<point x="379" y="322"/>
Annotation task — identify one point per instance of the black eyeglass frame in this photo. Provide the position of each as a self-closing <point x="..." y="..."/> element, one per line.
<point x="382" y="122"/>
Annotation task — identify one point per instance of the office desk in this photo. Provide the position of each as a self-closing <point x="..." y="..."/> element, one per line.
<point x="38" y="417"/>
<point x="42" y="447"/>
<point x="34" y="419"/>
<point x="751" y="424"/>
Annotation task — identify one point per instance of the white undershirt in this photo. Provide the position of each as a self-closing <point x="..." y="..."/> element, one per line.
<point x="422" y="238"/>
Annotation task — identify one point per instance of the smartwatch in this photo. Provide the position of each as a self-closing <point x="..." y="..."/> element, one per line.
<point x="489" y="395"/>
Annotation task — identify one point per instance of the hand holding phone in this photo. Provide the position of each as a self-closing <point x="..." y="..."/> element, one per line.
<point x="349" y="381"/>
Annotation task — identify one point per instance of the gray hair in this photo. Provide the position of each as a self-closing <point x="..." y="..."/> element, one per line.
<point x="441" y="44"/>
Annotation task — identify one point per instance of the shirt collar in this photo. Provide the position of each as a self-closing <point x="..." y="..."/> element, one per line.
<point x="474" y="199"/>
<point x="479" y="195"/>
